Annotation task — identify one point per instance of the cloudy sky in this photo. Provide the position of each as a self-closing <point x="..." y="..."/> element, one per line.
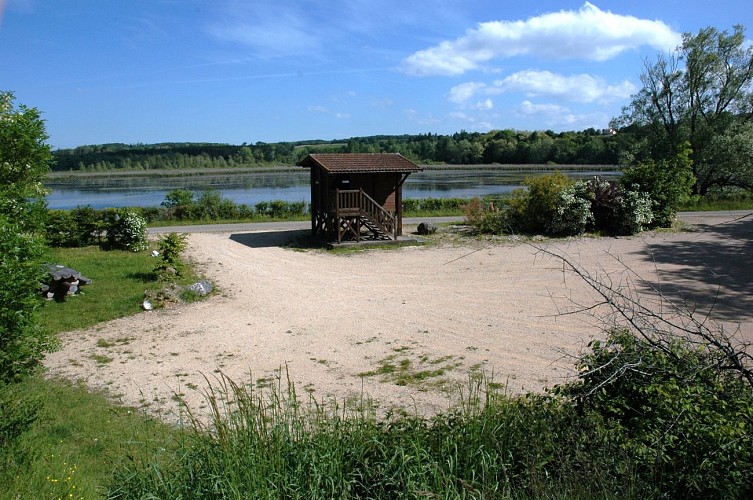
<point x="260" y="70"/>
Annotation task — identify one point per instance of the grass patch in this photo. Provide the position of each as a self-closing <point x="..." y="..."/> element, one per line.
<point x="76" y="442"/>
<point x="422" y="372"/>
<point x="741" y="200"/>
<point x="101" y="359"/>
<point x="119" y="280"/>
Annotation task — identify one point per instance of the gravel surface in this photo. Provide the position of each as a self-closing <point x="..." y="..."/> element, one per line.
<point x="403" y="326"/>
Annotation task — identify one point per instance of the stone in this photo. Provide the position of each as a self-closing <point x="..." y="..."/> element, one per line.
<point x="201" y="288"/>
<point x="426" y="228"/>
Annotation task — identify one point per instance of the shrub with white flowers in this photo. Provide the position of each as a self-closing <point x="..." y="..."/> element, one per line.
<point x="127" y="231"/>
<point x="636" y="212"/>
<point x="572" y="212"/>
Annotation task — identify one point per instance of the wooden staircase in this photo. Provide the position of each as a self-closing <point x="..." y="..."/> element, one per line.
<point x="355" y="210"/>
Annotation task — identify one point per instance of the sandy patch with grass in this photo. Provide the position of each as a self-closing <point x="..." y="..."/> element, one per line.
<point x="405" y="327"/>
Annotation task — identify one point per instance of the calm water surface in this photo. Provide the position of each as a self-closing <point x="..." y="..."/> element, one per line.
<point x="251" y="188"/>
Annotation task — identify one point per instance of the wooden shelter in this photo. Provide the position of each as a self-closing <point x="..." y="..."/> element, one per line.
<point x="356" y="196"/>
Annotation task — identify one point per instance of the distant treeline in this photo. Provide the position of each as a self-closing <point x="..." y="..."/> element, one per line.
<point x="589" y="147"/>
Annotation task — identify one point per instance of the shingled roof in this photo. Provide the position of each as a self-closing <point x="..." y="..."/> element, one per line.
<point x="351" y="163"/>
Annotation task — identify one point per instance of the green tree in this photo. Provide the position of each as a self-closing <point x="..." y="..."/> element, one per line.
<point x="24" y="160"/>
<point x="696" y="94"/>
<point x="667" y="182"/>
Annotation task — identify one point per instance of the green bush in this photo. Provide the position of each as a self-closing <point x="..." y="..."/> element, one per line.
<point x="668" y="183"/>
<point x="635" y="212"/>
<point x="686" y="421"/>
<point x="541" y="201"/>
<point x="22" y="342"/>
<point x="429" y="205"/>
<point x="58" y="229"/>
<point x="79" y="227"/>
<point x="485" y="217"/>
<point x="572" y="214"/>
<point x="279" y="209"/>
<point x="617" y="210"/>
<point x="178" y="198"/>
<point x="87" y="225"/>
<point x="170" y="247"/>
<point x="126" y="230"/>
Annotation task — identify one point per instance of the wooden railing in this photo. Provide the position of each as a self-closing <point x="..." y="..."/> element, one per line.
<point x="356" y="203"/>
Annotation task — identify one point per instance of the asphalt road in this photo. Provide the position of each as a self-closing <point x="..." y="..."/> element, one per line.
<point x="275" y="226"/>
<point x="689" y="217"/>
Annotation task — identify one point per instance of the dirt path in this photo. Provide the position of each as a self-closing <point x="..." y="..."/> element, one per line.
<point x="401" y="326"/>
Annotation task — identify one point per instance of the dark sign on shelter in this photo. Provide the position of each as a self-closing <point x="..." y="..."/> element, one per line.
<point x="356" y="196"/>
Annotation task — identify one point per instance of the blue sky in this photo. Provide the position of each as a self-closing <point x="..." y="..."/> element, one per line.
<point x="245" y="71"/>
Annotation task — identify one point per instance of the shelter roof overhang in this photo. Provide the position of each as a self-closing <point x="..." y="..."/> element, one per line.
<point x="351" y="163"/>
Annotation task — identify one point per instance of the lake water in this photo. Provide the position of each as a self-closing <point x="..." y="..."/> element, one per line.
<point x="251" y="188"/>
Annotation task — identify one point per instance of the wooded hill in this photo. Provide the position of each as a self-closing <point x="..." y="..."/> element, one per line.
<point x="589" y="147"/>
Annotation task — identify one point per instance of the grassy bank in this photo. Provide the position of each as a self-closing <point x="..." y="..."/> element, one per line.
<point x="77" y="440"/>
<point x="59" y="439"/>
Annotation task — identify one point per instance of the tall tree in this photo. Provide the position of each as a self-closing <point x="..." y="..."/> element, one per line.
<point x="24" y="160"/>
<point x="696" y="94"/>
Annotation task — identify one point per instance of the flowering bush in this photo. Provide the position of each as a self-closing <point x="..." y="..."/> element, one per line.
<point x="572" y="212"/>
<point x="617" y="209"/>
<point x="126" y="230"/>
<point x="635" y="212"/>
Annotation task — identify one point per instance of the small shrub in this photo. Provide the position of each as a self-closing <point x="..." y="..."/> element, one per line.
<point x="635" y="212"/>
<point x="170" y="248"/>
<point x="86" y="226"/>
<point x="79" y="227"/>
<point x="668" y="183"/>
<point x="572" y="214"/>
<point x="542" y="199"/>
<point x="178" y="198"/>
<point x="126" y="230"/>
<point x="617" y="210"/>
<point x="58" y="229"/>
<point x="485" y="217"/>
<point x="208" y="206"/>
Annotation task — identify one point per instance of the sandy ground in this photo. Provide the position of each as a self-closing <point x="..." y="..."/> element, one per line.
<point x="443" y="310"/>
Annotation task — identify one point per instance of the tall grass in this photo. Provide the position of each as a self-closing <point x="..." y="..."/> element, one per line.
<point x="267" y="444"/>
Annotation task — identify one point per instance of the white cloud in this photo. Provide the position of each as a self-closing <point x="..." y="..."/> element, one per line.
<point x="588" y="33"/>
<point x="528" y="108"/>
<point x="578" y="88"/>
<point x="317" y="109"/>
<point x="413" y="115"/>
<point x="326" y="111"/>
<point x="465" y="91"/>
<point x="474" y="121"/>
<point x="556" y="116"/>
<point x="575" y="88"/>
<point x="484" y="105"/>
